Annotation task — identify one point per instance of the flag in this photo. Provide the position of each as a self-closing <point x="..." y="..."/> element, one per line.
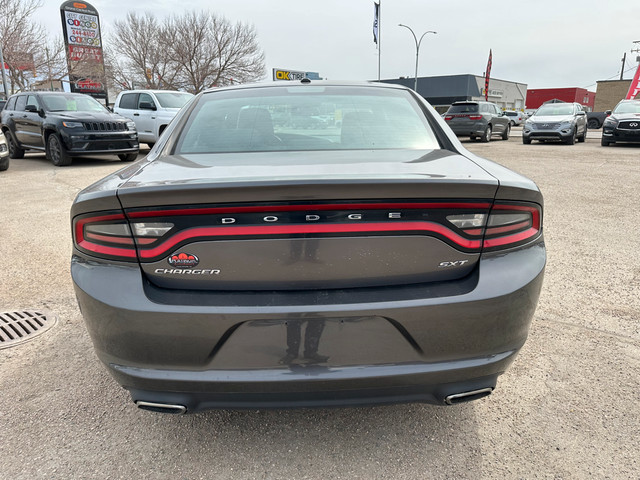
<point x="487" y="76"/>
<point x="376" y="13"/>
<point x="634" y="88"/>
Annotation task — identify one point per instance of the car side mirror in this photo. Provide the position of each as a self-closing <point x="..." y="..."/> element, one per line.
<point x="31" y="108"/>
<point x="42" y="113"/>
<point x="607" y="112"/>
<point x="582" y="112"/>
<point x="147" y="106"/>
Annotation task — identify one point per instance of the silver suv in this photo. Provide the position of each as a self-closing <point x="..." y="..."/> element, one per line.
<point x="478" y="120"/>
<point x="566" y="122"/>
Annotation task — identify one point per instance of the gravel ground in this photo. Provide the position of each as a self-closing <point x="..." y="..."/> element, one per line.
<point x="569" y="407"/>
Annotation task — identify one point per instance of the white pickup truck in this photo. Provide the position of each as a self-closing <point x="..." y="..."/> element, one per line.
<point x="151" y="110"/>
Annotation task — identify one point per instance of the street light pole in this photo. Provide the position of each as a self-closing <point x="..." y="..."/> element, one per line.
<point x="4" y="77"/>
<point x="418" y="42"/>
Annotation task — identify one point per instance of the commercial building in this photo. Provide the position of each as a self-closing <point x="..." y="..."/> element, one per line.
<point x="536" y="97"/>
<point x="610" y="92"/>
<point x="442" y="91"/>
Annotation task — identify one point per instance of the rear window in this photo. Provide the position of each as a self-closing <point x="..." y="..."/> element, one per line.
<point x="173" y="99"/>
<point x="129" y="101"/>
<point x="464" y="108"/>
<point x="305" y="118"/>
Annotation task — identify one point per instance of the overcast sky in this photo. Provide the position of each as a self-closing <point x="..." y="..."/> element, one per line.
<point x="543" y="43"/>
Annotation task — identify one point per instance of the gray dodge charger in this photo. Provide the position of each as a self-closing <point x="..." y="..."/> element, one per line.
<point x="307" y="244"/>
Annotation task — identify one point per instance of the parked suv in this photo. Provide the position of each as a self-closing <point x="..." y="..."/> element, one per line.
<point x="151" y="110"/>
<point x="65" y="125"/>
<point x="515" y="118"/>
<point x="623" y="125"/>
<point x="566" y="122"/>
<point x="478" y="120"/>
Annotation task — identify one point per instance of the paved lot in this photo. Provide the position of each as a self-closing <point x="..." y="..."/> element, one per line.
<point x="568" y="408"/>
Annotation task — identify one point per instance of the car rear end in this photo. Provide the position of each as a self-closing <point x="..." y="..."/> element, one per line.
<point x="288" y="279"/>
<point x="466" y="120"/>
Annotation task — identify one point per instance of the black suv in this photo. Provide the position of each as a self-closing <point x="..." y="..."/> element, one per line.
<point x="65" y="125"/>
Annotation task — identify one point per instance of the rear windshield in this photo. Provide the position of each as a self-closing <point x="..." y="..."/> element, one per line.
<point x="305" y="117"/>
<point x="464" y="108"/>
<point x="173" y="99"/>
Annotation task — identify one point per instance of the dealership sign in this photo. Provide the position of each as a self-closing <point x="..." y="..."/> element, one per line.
<point x="279" y="74"/>
<point x="634" y="88"/>
<point x="81" y="28"/>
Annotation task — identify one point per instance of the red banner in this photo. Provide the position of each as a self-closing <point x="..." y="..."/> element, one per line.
<point x="487" y="76"/>
<point x="634" y="88"/>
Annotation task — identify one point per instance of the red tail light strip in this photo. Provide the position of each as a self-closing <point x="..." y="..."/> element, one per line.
<point x="518" y="237"/>
<point x="195" y="233"/>
<point x="109" y="238"/>
<point x="506" y="228"/>
<point x="121" y="240"/>
<point x="310" y="207"/>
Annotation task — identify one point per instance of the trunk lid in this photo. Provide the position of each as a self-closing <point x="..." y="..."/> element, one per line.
<point x="264" y="221"/>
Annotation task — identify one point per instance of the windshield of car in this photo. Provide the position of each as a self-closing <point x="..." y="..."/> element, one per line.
<point x="305" y="118"/>
<point x="173" y="99"/>
<point x="464" y="108"/>
<point x="72" y="103"/>
<point x="555" y="109"/>
<point x="627" y="107"/>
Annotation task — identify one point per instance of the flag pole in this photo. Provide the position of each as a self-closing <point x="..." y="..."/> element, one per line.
<point x="379" y="35"/>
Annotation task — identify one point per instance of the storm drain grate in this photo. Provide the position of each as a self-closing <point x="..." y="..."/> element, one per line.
<point x="18" y="327"/>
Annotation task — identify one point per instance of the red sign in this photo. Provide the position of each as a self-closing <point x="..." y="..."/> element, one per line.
<point x="86" y="54"/>
<point x="634" y="88"/>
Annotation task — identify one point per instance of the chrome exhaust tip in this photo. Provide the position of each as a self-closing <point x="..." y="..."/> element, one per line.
<point x="468" y="396"/>
<point x="161" y="407"/>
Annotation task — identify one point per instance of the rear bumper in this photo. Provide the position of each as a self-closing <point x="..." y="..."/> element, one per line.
<point x="476" y="129"/>
<point x="416" y="343"/>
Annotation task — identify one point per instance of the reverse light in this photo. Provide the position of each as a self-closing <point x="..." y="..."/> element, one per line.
<point x="468" y="221"/>
<point x="155" y="229"/>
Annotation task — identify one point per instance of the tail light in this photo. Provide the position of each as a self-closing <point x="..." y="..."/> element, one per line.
<point x="448" y="117"/>
<point x="475" y="117"/>
<point x="148" y="235"/>
<point x="108" y="235"/>
<point x="512" y="224"/>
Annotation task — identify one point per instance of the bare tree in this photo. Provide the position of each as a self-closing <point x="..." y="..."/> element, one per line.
<point x="136" y="53"/>
<point x="210" y="51"/>
<point x="190" y="52"/>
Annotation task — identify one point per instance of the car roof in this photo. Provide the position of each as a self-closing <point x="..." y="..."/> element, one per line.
<point x="152" y="91"/>
<point x="286" y="84"/>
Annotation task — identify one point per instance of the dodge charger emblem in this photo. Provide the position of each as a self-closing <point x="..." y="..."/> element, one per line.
<point x="183" y="260"/>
